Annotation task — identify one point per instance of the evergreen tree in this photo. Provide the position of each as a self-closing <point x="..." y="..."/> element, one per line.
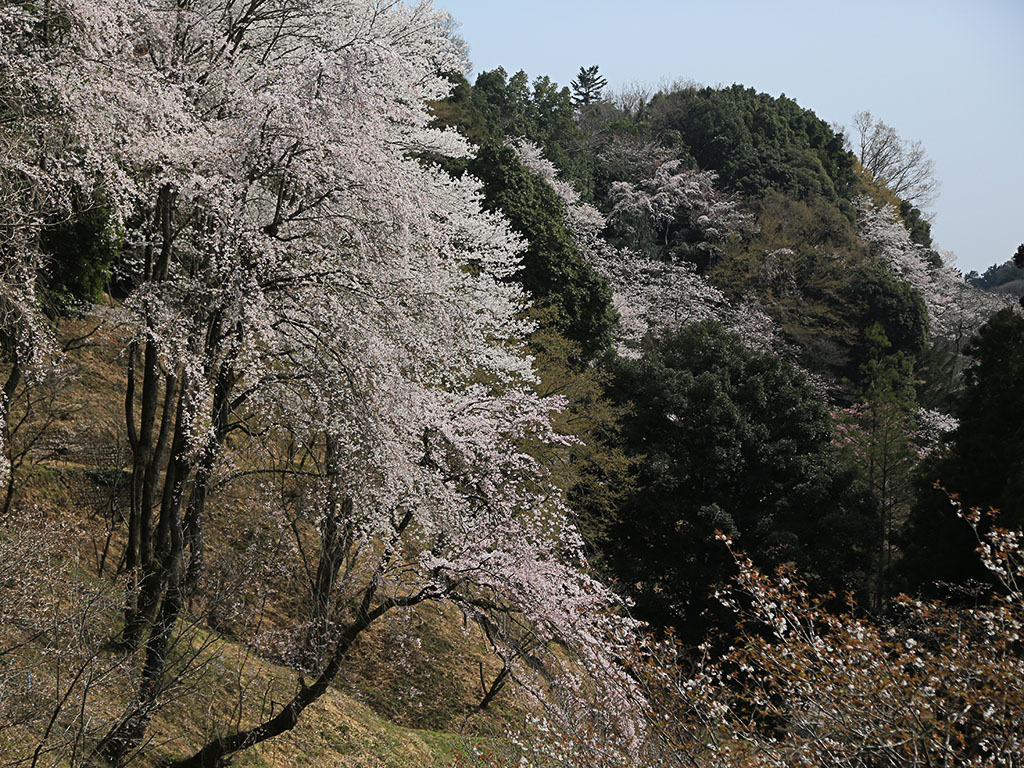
<point x="724" y="438"/>
<point x="587" y="87"/>
<point x="984" y="463"/>
<point x="877" y="436"/>
<point x="554" y="271"/>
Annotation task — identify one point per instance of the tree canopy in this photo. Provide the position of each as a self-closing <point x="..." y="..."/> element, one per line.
<point x="554" y="271"/>
<point x="727" y="439"/>
<point x="984" y="463"/>
<point x="587" y="86"/>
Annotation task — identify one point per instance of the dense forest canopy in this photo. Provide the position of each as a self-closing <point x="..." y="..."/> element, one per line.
<point x="578" y="427"/>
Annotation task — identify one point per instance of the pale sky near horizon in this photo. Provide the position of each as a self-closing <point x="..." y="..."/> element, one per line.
<point x="949" y="74"/>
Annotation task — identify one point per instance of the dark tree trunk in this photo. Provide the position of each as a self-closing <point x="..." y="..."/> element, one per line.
<point x="335" y="541"/>
<point x="222" y="409"/>
<point x="495" y="687"/>
<point x="6" y="397"/>
<point x="216" y="753"/>
<point x="126" y="736"/>
<point x="146" y="456"/>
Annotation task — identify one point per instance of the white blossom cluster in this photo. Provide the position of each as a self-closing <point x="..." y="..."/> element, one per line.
<point x="299" y="273"/>
<point x="650" y="293"/>
<point x="956" y="309"/>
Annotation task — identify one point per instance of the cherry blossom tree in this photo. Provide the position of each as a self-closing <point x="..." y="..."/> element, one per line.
<point x="297" y="273"/>
<point x="956" y="309"/>
<point x="679" y="209"/>
<point x="34" y="186"/>
<point x="648" y="292"/>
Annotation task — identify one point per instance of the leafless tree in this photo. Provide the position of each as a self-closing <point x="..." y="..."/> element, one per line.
<point x="903" y="166"/>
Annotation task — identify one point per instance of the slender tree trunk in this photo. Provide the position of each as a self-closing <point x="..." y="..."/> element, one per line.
<point x="495" y="687"/>
<point x="125" y="737"/>
<point x="161" y="578"/>
<point x="147" y="568"/>
<point x="216" y="752"/>
<point x="147" y="459"/>
<point x="222" y="409"/>
<point x="6" y="398"/>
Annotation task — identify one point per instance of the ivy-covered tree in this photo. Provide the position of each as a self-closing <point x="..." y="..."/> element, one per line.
<point x="892" y="305"/>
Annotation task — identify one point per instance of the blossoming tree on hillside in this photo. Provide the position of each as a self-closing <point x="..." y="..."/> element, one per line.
<point x="648" y="292"/>
<point x="956" y="309"/>
<point x="296" y="273"/>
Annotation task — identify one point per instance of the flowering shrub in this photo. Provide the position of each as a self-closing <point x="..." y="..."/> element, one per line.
<point x="804" y="686"/>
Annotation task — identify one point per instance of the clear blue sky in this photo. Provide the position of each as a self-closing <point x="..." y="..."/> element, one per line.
<point x="950" y="74"/>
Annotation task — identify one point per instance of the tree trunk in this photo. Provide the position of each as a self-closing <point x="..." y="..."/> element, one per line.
<point x="6" y="397"/>
<point x="125" y="737"/>
<point x="147" y="460"/>
<point x="495" y="687"/>
<point x="216" y="752"/>
<point x="335" y="540"/>
<point x="222" y="409"/>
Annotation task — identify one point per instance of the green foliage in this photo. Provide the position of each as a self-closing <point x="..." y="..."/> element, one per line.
<point x="465" y="110"/>
<point x="498" y="106"/>
<point x="984" y="463"/>
<point x="593" y="470"/>
<point x="81" y="252"/>
<point x="877" y="441"/>
<point x="554" y="271"/>
<point x="757" y="142"/>
<point x="937" y="368"/>
<point x="918" y="226"/>
<point x="587" y="86"/>
<point x="809" y="271"/>
<point x="895" y="308"/>
<point x="887" y="375"/>
<point x="724" y="438"/>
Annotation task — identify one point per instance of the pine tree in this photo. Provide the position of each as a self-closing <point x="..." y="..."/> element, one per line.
<point x="586" y="88"/>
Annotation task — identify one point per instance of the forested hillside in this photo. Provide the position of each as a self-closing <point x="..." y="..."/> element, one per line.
<point x="358" y="413"/>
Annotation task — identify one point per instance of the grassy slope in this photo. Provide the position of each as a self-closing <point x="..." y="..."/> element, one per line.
<point x="407" y="697"/>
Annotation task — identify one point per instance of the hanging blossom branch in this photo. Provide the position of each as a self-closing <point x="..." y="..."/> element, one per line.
<point x="35" y="185"/>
